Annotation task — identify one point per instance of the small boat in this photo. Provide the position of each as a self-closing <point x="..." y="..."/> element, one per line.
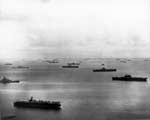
<point x="130" y="78"/>
<point x="105" y="70"/>
<point x="5" y="80"/>
<point x="40" y="104"/>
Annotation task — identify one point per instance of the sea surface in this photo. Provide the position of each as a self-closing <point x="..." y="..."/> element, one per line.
<point x="84" y="95"/>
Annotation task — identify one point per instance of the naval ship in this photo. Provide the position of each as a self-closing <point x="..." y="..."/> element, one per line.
<point x="40" y="104"/>
<point x="52" y="61"/>
<point x="8" y="63"/>
<point x="105" y="70"/>
<point x="70" y="66"/>
<point x="130" y="78"/>
<point x="5" y="80"/>
<point x="20" y="67"/>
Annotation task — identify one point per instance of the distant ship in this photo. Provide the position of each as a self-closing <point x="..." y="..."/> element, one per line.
<point x="8" y="64"/>
<point x="31" y="103"/>
<point x="20" y="67"/>
<point x="117" y="58"/>
<point x="146" y="60"/>
<point x="52" y="61"/>
<point x="105" y="70"/>
<point x="6" y="80"/>
<point x="123" y="61"/>
<point x="70" y="66"/>
<point x="130" y="78"/>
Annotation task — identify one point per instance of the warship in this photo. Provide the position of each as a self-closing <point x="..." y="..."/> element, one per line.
<point x="123" y="61"/>
<point x="8" y="63"/>
<point x="70" y="66"/>
<point x="105" y="70"/>
<point x="39" y="104"/>
<point x="5" y="80"/>
<point x="130" y="78"/>
<point x="20" y="67"/>
<point x="52" y="61"/>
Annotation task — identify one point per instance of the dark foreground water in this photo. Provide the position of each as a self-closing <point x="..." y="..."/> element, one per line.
<point x="84" y="95"/>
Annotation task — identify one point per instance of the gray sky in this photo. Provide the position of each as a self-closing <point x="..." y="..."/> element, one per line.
<point x="74" y="28"/>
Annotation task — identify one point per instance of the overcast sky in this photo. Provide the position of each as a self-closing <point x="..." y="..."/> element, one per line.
<point x="74" y="28"/>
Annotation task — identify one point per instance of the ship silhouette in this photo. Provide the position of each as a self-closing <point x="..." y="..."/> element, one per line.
<point x="40" y="104"/>
<point x="6" y="80"/>
<point x="130" y="78"/>
<point x="103" y="69"/>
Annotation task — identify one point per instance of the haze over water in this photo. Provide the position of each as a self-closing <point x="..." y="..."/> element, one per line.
<point x="84" y="95"/>
<point x="35" y="29"/>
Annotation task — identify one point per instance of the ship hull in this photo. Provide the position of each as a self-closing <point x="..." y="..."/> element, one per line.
<point x="107" y="70"/>
<point x="130" y="79"/>
<point x="17" y="81"/>
<point x="70" y="66"/>
<point x="48" y="106"/>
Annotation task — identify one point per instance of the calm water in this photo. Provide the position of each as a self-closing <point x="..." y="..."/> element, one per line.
<point x="84" y="95"/>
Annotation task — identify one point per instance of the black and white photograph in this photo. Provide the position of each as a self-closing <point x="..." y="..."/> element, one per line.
<point x="74" y="60"/>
